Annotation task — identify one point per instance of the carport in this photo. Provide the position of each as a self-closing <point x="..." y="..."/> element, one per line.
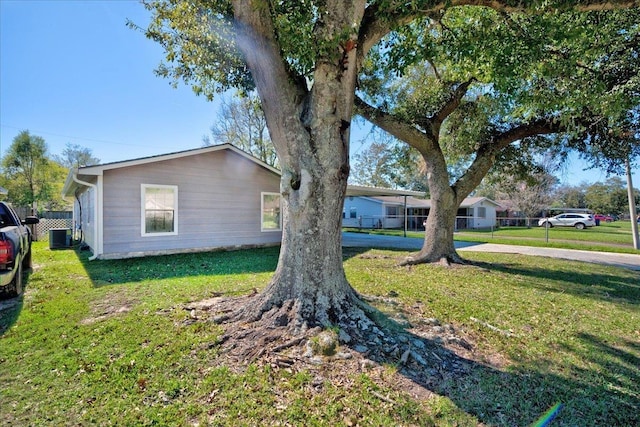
<point x="360" y="190"/>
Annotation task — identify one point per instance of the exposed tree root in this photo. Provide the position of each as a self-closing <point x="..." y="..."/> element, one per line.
<point x="445" y="260"/>
<point x="248" y="337"/>
<point x="427" y="353"/>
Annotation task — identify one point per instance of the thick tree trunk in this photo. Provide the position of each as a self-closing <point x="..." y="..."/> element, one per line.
<point x="310" y="130"/>
<point x="438" y="243"/>
<point x="310" y="269"/>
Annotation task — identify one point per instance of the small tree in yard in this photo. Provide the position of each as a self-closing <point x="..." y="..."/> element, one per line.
<point x="30" y="177"/>
<point x="529" y="196"/>
<point x="303" y="58"/>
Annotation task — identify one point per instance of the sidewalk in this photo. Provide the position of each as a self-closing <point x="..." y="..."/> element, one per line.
<point x="630" y="261"/>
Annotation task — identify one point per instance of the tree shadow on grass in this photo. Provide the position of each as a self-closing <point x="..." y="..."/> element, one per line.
<point x="616" y="288"/>
<point x="114" y="272"/>
<point x="11" y="308"/>
<point x="246" y="261"/>
<point x="603" y="390"/>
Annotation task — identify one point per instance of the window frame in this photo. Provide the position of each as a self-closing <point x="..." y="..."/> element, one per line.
<point x="392" y="211"/>
<point x="143" y="213"/>
<point x="262" y="218"/>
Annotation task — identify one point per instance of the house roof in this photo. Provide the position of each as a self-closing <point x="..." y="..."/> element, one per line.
<point x="472" y="201"/>
<point x="71" y="184"/>
<point x="413" y="202"/>
<point x="379" y="193"/>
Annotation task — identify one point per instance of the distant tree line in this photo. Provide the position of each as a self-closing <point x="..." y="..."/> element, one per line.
<point x="542" y="191"/>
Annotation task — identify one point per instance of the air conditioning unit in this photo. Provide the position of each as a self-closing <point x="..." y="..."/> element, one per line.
<point x="59" y="238"/>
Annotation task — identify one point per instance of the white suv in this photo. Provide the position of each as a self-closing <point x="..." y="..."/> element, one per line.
<point x="576" y="220"/>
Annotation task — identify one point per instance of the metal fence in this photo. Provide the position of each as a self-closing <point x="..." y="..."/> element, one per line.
<point x="413" y="223"/>
<point x="416" y="223"/>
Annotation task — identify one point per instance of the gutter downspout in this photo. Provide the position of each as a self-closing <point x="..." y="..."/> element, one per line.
<point x="95" y="210"/>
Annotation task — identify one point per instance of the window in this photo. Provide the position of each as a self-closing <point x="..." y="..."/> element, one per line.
<point x="482" y="212"/>
<point x="392" y="211"/>
<point x="271" y="218"/>
<point x="159" y="210"/>
<point x="353" y="213"/>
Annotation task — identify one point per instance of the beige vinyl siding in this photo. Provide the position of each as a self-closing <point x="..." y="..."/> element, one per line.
<point x="219" y="201"/>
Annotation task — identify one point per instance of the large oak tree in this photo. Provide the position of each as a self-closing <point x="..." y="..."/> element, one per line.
<point x="303" y="58"/>
<point x="484" y="87"/>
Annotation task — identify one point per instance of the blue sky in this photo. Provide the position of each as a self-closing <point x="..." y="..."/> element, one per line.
<point x="73" y="72"/>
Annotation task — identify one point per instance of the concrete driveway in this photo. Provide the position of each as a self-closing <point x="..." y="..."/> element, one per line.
<point x="412" y="244"/>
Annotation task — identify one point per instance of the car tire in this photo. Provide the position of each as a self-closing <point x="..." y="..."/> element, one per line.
<point x="27" y="262"/>
<point x="579" y="226"/>
<point x="547" y="224"/>
<point x="14" y="288"/>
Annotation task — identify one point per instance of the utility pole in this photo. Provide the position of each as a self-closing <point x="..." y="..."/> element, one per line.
<point x="632" y="207"/>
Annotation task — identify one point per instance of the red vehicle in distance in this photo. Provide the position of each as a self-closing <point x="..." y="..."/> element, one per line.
<point x="605" y="218"/>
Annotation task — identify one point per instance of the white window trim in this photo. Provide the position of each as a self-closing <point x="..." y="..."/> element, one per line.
<point x="266" y="230"/>
<point x="143" y="188"/>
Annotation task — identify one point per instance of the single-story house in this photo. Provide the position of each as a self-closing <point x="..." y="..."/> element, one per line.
<point x="195" y="200"/>
<point x="389" y="212"/>
<point x="216" y="197"/>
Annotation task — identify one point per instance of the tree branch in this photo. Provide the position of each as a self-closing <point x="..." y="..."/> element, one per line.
<point x="542" y="126"/>
<point x="453" y="102"/>
<point x="485" y="155"/>
<point x="392" y="125"/>
<point x="281" y="93"/>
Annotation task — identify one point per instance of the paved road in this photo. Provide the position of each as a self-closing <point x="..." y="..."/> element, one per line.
<point x="412" y="244"/>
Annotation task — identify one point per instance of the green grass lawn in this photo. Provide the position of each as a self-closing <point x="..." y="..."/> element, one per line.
<point x="111" y="343"/>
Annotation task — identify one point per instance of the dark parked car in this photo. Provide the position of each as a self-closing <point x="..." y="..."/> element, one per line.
<point x="15" y="249"/>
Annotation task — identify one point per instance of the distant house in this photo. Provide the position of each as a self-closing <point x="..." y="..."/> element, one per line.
<point x="477" y="212"/>
<point x="216" y="197"/>
<point x="389" y="212"/>
<point x="373" y="212"/>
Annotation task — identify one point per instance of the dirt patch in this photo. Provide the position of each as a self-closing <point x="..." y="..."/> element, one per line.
<point x="106" y="313"/>
<point x="112" y="305"/>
